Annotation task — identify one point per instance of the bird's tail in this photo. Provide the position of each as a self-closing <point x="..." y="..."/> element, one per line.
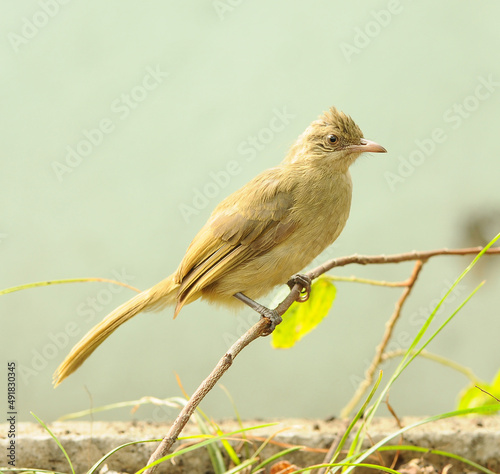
<point x="160" y="295"/>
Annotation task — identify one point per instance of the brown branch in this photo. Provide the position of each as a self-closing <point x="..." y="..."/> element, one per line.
<point x="396" y="258"/>
<point x="379" y="351"/>
<point x="376" y="259"/>
<point x="263" y="325"/>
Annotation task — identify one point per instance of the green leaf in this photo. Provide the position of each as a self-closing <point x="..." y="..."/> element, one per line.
<point x="301" y="318"/>
<point x="472" y="397"/>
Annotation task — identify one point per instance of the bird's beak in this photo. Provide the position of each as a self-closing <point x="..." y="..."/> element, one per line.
<point x="366" y="146"/>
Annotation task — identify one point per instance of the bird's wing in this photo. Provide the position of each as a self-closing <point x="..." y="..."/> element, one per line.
<point x="248" y="223"/>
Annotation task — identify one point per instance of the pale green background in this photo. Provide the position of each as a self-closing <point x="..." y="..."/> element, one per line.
<point x="227" y="72"/>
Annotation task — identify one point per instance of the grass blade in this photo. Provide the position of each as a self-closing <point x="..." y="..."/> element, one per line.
<point x="173" y="402"/>
<point x="113" y="451"/>
<point x="55" y="439"/>
<point x="60" y="282"/>
<point x="276" y="456"/>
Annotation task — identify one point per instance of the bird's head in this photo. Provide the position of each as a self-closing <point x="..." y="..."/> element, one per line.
<point x="334" y="137"/>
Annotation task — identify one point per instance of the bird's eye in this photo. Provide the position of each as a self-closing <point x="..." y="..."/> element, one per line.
<point x="332" y="139"/>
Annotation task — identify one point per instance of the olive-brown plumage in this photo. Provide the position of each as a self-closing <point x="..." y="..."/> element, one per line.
<point x="259" y="236"/>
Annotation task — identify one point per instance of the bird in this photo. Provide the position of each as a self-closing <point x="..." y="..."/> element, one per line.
<point x="258" y="237"/>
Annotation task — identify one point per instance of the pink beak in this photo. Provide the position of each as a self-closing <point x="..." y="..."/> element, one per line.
<point x="367" y="146"/>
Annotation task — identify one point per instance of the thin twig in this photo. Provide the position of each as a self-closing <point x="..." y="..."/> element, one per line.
<point x="366" y="281"/>
<point x="376" y="259"/>
<point x="379" y="351"/>
<point x="400" y="426"/>
<point x="164" y="447"/>
<point x="487" y="393"/>
<point x="396" y="258"/>
<point x="67" y="280"/>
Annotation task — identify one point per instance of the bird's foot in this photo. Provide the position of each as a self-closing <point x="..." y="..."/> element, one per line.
<point x="271" y="314"/>
<point x="273" y="317"/>
<point x="303" y="280"/>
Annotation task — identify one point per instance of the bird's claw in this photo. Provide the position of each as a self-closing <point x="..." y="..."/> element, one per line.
<point x="305" y="282"/>
<point x="274" y="319"/>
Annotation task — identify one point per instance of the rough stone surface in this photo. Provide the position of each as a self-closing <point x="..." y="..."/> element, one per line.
<point x="475" y="438"/>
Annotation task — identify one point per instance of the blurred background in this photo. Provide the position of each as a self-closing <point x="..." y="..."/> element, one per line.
<point x="125" y="123"/>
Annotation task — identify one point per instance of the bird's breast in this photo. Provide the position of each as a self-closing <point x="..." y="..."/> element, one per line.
<point x="321" y="212"/>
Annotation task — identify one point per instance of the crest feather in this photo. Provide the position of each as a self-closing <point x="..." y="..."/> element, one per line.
<point x="343" y="122"/>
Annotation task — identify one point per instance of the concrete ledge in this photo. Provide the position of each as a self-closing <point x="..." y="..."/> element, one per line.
<point x="475" y="438"/>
